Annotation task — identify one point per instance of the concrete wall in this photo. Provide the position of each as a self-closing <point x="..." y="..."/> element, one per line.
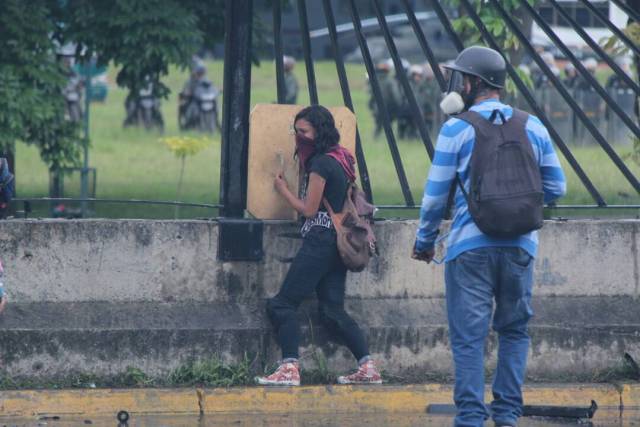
<point x="100" y="295"/>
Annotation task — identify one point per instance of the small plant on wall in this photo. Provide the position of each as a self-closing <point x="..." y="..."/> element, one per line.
<point x="182" y="147"/>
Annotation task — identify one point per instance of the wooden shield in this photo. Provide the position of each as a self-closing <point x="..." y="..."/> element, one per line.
<point x="271" y="149"/>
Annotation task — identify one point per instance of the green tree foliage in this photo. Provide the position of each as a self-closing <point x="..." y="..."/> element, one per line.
<point x="143" y="38"/>
<point x="31" y="83"/>
<point x="615" y="47"/>
<point x="498" y="28"/>
<point x="493" y="21"/>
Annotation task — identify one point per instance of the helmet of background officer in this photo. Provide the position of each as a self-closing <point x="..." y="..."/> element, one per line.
<point x="383" y="67"/>
<point x="288" y="62"/>
<point x="416" y="73"/>
<point x="590" y="64"/>
<point x="428" y="71"/>
<point x="389" y="63"/>
<point x="548" y="59"/>
<point x="198" y="69"/>
<point x="624" y="62"/>
<point x="570" y="70"/>
<point x="405" y="65"/>
<point x="475" y="70"/>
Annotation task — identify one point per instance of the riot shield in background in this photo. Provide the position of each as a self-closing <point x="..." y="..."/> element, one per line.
<point x="617" y="131"/>
<point x="593" y="108"/>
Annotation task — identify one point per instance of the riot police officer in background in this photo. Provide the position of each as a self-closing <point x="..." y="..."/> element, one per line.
<point x="290" y="82"/>
<point x="390" y="95"/>
<point x="198" y="108"/>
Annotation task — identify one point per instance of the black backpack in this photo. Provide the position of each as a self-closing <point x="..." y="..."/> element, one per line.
<point x="505" y="196"/>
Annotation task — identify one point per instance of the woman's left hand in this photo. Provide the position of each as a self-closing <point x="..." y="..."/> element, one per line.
<point x="280" y="183"/>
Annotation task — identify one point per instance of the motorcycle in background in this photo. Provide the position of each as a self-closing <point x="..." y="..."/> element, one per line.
<point x="143" y="109"/>
<point x="72" y="93"/>
<point x="200" y="110"/>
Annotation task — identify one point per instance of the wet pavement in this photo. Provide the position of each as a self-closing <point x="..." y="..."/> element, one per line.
<point x="603" y="418"/>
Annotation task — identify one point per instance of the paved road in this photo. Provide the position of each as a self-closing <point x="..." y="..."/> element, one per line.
<point x="603" y="418"/>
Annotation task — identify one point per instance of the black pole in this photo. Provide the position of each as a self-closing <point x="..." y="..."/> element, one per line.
<point x="235" y="112"/>
<point x="615" y="30"/>
<point x="422" y="40"/>
<point x="306" y="48"/>
<point x="560" y="87"/>
<point x="583" y="71"/>
<point x="382" y="106"/>
<point x="522" y="87"/>
<point x="277" y="46"/>
<point x="416" y="111"/>
<point x="593" y="45"/>
<point x="346" y="96"/>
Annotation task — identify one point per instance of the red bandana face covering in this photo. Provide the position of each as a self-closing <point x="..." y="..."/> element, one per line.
<point x="305" y="148"/>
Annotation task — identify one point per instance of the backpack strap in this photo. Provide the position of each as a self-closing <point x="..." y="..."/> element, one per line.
<point x="519" y="116"/>
<point x="472" y="117"/>
<point x="509" y="128"/>
<point x="476" y="120"/>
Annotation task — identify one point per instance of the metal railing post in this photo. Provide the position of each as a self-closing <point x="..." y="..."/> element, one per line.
<point x="235" y="112"/>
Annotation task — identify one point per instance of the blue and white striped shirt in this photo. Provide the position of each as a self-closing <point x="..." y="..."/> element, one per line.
<point x="453" y="152"/>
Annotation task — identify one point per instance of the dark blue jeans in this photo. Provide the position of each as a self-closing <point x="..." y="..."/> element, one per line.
<point x="316" y="267"/>
<point x="474" y="280"/>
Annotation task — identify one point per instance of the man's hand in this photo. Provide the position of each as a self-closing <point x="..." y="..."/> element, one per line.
<point x="426" y="256"/>
<point x="280" y="183"/>
<point x="3" y="302"/>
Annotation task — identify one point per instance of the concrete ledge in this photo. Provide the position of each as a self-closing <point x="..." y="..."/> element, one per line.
<point x="96" y="296"/>
<point x="317" y="399"/>
<point x="408" y="336"/>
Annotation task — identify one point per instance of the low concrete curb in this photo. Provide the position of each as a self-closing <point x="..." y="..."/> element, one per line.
<point x="316" y="399"/>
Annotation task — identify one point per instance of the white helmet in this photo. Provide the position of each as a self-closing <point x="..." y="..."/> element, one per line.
<point x="590" y="64"/>
<point x="416" y="69"/>
<point x="390" y="64"/>
<point x="623" y="61"/>
<point x="548" y="58"/>
<point x="288" y="62"/>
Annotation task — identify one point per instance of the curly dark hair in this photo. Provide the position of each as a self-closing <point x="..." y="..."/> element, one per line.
<point x="322" y="122"/>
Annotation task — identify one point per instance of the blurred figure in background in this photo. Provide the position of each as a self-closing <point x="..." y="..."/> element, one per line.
<point x="591" y="65"/>
<point x="390" y="95"/>
<point x="198" y="107"/>
<point x="418" y="83"/>
<point x="290" y="82"/>
<point x="614" y="80"/>
<point x="431" y="95"/>
<point x="570" y="75"/>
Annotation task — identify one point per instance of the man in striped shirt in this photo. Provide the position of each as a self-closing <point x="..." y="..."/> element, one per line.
<point x="480" y="268"/>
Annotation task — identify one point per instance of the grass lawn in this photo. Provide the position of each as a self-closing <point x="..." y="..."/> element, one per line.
<point x="133" y="164"/>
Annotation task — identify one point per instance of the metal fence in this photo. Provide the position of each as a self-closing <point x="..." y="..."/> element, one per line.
<point x="581" y="111"/>
<point x="597" y="115"/>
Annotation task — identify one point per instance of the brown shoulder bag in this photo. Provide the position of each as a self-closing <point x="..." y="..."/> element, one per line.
<point x="355" y="238"/>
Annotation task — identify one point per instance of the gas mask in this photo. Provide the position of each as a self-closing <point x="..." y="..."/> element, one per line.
<point x="457" y="100"/>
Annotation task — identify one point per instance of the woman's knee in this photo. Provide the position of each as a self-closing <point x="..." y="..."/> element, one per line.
<point x="332" y="317"/>
<point x="279" y="310"/>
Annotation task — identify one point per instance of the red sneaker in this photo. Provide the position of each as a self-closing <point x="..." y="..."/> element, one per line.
<point x="367" y="373"/>
<point x="286" y="374"/>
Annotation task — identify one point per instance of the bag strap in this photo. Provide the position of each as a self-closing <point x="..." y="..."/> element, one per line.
<point x="472" y="117"/>
<point x="477" y="120"/>
<point x="327" y="206"/>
